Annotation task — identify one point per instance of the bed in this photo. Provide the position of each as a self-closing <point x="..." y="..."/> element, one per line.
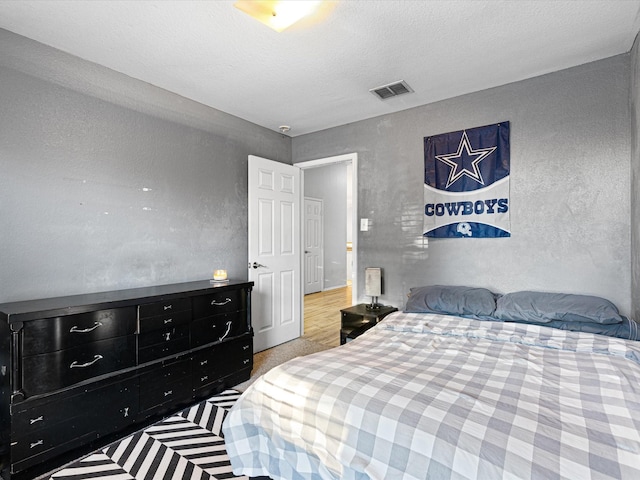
<point x="473" y="393"/>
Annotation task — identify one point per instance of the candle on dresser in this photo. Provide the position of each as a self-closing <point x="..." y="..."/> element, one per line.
<point x="219" y="274"/>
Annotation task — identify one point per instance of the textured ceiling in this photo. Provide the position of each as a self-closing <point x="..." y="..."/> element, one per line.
<point x="317" y="74"/>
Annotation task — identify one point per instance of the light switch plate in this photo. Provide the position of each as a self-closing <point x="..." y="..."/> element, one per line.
<point x="364" y="224"/>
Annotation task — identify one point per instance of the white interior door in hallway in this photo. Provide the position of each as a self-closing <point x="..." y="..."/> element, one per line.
<point x="313" y="245"/>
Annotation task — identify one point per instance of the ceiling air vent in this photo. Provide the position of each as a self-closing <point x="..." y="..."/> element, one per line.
<point x="391" y="90"/>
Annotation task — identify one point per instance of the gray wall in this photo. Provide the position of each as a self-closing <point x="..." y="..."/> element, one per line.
<point x="570" y="187"/>
<point x="79" y="142"/>
<point x="634" y="97"/>
<point x="329" y="183"/>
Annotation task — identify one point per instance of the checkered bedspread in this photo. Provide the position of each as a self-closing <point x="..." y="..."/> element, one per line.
<point x="431" y="396"/>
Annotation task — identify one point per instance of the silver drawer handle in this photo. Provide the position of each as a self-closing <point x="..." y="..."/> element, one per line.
<point x="245" y="361"/>
<point x="34" y="420"/>
<point x="39" y="442"/>
<point x="202" y="379"/>
<point x="168" y="320"/>
<point x="245" y="347"/>
<point x="88" y="364"/>
<point x="75" y="329"/>
<point x="170" y="392"/>
<point x="227" y="300"/>
<point x="227" y="332"/>
<point x="167" y="307"/>
<point x="204" y="362"/>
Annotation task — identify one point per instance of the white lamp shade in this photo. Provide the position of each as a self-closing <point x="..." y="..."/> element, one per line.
<point x="373" y="281"/>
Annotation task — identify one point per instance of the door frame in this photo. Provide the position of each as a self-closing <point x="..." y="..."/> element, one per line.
<point x="323" y="162"/>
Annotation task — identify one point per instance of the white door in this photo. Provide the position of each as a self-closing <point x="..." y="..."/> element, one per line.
<point x="274" y="253"/>
<point x="313" y="245"/>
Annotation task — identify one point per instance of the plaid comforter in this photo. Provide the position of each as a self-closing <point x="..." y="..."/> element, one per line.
<point x="430" y="396"/>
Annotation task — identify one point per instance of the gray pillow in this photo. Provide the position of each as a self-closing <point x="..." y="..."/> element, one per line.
<point x="543" y="307"/>
<point x="452" y="300"/>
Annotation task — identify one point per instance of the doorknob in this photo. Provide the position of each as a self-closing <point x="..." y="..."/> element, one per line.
<point x="257" y="265"/>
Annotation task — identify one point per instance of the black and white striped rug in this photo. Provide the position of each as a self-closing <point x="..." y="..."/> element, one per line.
<point x="185" y="446"/>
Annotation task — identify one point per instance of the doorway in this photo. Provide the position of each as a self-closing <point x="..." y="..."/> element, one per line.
<point x="340" y="238"/>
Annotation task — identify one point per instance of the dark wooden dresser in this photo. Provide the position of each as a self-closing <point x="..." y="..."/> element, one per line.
<point x="79" y="372"/>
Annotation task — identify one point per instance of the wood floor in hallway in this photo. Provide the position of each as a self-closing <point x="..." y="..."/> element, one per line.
<point x="322" y="315"/>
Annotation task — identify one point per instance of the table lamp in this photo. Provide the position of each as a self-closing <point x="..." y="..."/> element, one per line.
<point x="373" y="286"/>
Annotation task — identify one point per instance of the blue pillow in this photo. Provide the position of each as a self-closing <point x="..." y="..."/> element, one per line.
<point x="451" y="300"/>
<point x="543" y="307"/>
<point x="627" y="329"/>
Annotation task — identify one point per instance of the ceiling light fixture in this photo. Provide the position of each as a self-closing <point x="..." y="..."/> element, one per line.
<point x="277" y="14"/>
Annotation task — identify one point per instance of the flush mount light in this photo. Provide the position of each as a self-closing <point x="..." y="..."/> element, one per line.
<point x="277" y="14"/>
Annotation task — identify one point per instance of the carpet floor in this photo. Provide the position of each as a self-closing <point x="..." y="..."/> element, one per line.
<point x="267" y="359"/>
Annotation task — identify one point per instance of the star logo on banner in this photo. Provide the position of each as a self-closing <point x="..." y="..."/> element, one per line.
<point x="463" y="158"/>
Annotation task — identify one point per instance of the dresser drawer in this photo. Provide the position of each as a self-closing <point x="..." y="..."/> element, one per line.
<point x="219" y="302"/>
<point x="32" y="452"/>
<point x="161" y="350"/>
<point x="162" y="343"/>
<point x="34" y="415"/>
<point x="218" y="328"/>
<point x="39" y="427"/>
<point x="164" y="335"/>
<point x="169" y="383"/>
<point x="166" y="372"/>
<point x="207" y="367"/>
<point x="149" y="324"/>
<point x="221" y="360"/>
<point x="238" y="354"/>
<point x="36" y="442"/>
<point x="110" y="407"/>
<point x="96" y="412"/>
<point x="52" y="371"/>
<point x="173" y="394"/>
<point x="164" y="308"/>
<point x="59" y="333"/>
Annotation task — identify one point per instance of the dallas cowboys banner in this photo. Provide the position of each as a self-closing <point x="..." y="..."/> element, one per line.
<point x="466" y="183"/>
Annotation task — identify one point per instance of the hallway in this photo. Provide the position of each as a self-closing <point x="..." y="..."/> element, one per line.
<point x="322" y="315"/>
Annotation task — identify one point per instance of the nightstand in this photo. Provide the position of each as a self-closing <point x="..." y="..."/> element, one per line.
<point x="357" y="319"/>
